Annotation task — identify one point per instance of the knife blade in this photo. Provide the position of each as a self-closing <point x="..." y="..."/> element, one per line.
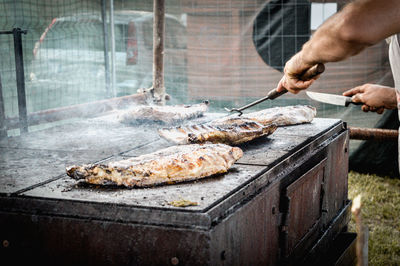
<point x="332" y="98"/>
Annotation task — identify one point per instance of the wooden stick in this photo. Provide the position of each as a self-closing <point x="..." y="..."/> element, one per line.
<point x="377" y="134"/>
<point x="362" y="233"/>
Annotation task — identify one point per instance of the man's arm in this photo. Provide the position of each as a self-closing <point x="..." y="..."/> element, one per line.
<point x="360" y="24"/>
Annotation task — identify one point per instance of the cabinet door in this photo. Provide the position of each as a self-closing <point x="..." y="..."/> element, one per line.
<point x="301" y="219"/>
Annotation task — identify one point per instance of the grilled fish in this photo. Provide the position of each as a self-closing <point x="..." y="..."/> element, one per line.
<point x="243" y="130"/>
<point x="162" y="114"/>
<point x="280" y="116"/>
<point x="166" y="166"/>
<point x="236" y="130"/>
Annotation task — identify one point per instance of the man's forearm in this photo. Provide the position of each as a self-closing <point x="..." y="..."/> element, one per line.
<point x="326" y="46"/>
<point x="359" y="25"/>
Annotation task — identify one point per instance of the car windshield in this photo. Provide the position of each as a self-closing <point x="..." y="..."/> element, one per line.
<point x="68" y="35"/>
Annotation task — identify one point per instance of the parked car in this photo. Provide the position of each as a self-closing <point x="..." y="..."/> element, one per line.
<point x="69" y="56"/>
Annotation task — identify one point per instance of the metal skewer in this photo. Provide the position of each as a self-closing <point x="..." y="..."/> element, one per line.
<point x="270" y="96"/>
<point x="310" y="73"/>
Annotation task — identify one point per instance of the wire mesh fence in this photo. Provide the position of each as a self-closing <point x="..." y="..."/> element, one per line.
<point x="230" y="52"/>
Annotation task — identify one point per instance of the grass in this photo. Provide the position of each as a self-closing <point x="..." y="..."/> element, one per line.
<point x="381" y="213"/>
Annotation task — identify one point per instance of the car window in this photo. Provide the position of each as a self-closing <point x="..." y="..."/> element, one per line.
<point x="121" y="36"/>
<point x="74" y="35"/>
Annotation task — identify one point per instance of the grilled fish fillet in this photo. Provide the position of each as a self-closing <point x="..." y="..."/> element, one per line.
<point x="236" y="130"/>
<point x="280" y="116"/>
<point x="243" y="130"/>
<point x="164" y="114"/>
<point x="170" y="165"/>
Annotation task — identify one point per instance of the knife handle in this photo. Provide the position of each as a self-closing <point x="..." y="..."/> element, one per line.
<point x="274" y="94"/>
<point x="349" y="101"/>
<point x="313" y="71"/>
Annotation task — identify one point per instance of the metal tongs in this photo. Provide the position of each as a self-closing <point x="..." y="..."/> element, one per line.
<point x="309" y="74"/>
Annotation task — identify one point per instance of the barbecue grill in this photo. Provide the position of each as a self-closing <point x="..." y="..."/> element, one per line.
<point x="284" y="202"/>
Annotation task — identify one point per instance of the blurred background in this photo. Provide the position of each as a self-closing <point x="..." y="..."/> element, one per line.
<point x="230" y="52"/>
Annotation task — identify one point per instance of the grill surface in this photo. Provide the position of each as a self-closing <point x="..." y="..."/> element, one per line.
<point x="34" y="184"/>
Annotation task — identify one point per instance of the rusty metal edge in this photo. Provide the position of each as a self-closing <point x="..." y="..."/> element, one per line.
<point x="110" y="212"/>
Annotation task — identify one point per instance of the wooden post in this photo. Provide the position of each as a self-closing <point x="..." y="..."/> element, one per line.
<point x="362" y="233"/>
<point x="112" y="36"/>
<point x="377" y="134"/>
<point x="158" y="51"/>
<point x="105" y="47"/>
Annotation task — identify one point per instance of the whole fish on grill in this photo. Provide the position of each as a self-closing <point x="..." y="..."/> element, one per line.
<point x="171" y="165"/>
<point x="242" y="130"/>
<point x="167" y="114"/>
<point x="236" y="130"/>
<point x="280" y="116"/>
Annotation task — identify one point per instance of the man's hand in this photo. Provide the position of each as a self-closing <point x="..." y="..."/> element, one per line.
<point x="360" y="24"/>
<point x="292" y="79"/>
<point x="376" y="98"/>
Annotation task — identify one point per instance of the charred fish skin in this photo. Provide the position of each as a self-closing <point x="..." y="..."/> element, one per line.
<point x="171" y="165"/>
<point x="234" y="133"/>
<point x="238" y="130"/>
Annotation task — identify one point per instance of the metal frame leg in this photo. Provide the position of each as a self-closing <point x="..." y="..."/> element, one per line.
<point x="20" y="76"/>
